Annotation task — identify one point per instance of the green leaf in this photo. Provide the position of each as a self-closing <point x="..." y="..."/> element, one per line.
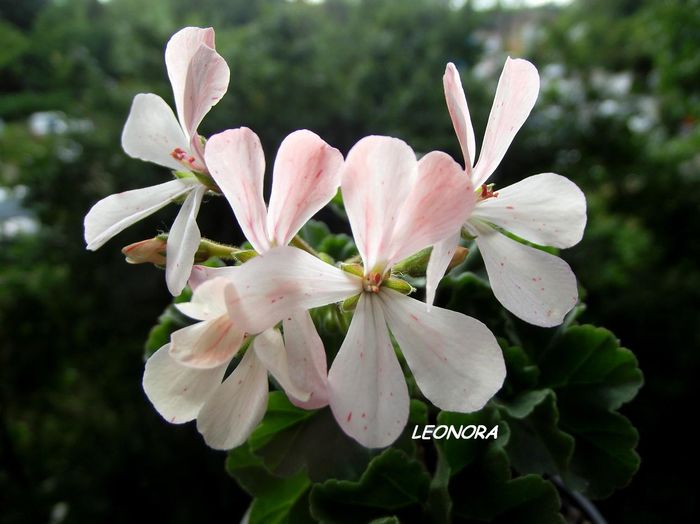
<point x="281" y="414"/>
<point x="537" y="444"/>
<point x="393" y="481"/>
<point x="586" y="364"/>
<point x="314" y="232"/>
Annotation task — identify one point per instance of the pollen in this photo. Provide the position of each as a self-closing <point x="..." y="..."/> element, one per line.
<point x="373" y="282"/>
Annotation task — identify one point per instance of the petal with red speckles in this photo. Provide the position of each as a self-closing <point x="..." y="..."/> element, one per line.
<point x="368" y="393"/>
<point x="306" y="176"/>
<point x="535" y="286"/>
<point x="236" y="162"/>
<point x="206" y="344"/>
<point x="459" y="113"/>
<point x="270" y="350"/>
<point x="546" y="209"/>
<point x="440" y="258"/>
<point x="516" y="95"/>
<point x="455" y="359"/>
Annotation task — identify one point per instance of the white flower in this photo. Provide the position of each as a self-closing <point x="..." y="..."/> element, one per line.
<point x="183" y="379"/>
<point x="545" y="209"/>
<point x="199" y="77"/>
<point x="396" y="207"/>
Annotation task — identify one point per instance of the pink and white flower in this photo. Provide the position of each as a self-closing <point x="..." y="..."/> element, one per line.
<point x="199" y="77"/>
<point x="545" y="209"/>
<point x="184" y="379"/>
<point x="396" y="207"/>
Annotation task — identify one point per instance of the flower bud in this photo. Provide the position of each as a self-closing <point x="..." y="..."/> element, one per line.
<point x="151" y="251"/>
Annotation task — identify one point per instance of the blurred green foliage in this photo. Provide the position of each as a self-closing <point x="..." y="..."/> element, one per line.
<point x="618" y="114"/>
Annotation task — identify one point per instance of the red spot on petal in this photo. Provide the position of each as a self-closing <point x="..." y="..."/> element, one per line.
<point x="349" y="416"/>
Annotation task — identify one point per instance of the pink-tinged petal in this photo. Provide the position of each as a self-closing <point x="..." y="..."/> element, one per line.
<point x="236" y="407"/>
<point x="178" y="392"/>
<point x="439" y="203"/>
<point x="546" y="209"/>
<point x="440" y="258"/>
<point x="516" y="95"/>
<point x="459" y="113"/>
<point x="207" y="82"/>
<point x="208" y="299"/>
<point x="305" y="178"/>
<point x="368" y="393"/>
<point x="307" y="359"/>
<point x="377" y="178"/>
<point x="183" y="242"/>
<point x="198" y="74"/>
<point x="270" y="350"/>
<point x="206" y="344"/>
<point x="236" y="162"/>
<point x="152" y="133"/>
<point x="201" y="274"/>
<point x="455" y="359"/>
<point x="535" y="286"/>
<point x="271" y="286"/>
<point x="115" y="213"/>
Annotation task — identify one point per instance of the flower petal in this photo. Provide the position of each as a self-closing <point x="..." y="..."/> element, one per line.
<point x="368" y="393"/>
<point x="455" y="359"/>
<point x="516" y="95"/>
<point x="208" y="299"/>
<point x="152" y="133"/>
<point x="377" y="178"/>
<point x="305" y="178"/>
<point x="270" y="350"/>
<point x="546" y="209"/>
<point x="440" y="258"/>
<point x="307" y="359"/>
<point x="201" y="274"/>
<point x="236" y="407"/>
<point x="178" y="392"/>
<point x="271" y="286"/>
<point x="198" y="74"/>
<point x="183" y="242"/>
<point x="115" y="213"/>
<point x="439" y="203"/>
<point x="533" y="285"/>
<point x="236" y="162"/>
<point x="459" y="113"/>
<point x="206" y="344"/>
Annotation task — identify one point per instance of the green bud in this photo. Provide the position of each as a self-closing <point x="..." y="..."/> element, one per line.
<point x="349" y="304"/>
<point x="398" y="285"/>
<point x="353" y="269"/>
<point x="415" y="265"/>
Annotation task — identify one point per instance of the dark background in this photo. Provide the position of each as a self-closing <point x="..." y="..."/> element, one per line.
<point x="618" y="114"/>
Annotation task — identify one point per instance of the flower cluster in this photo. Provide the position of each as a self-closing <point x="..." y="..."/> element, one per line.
<point x="252" y="318"/>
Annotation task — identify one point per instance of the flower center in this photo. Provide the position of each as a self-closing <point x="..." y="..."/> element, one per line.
<point x="372" y="282"/>
<point x="485" y="192"/>
<point x="186" y="160"/>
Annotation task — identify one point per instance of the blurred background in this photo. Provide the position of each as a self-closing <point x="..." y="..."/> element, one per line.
<point x="618" y="114"/>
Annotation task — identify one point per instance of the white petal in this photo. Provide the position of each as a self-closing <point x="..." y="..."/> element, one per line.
<point x="273" y="285"/>
<point x="516" y="95"/>
<point x="459" y="113"/>
<point x="307" y="359"/>
<point x="206" y="344"/>
<point x="546" y="209"/>
<point x="115" y="213"/>
<point x="533" y="285"/>
<point x="236" y="162"/>
<point x="208" y="299"/>
<point x="437" y="206"/>
<point x="270" y="350"/>
<point x="440" y="258"/>
<point x="201" y="274"/>
<point x="198" y="74"/>
<point x="152" y="132"/>
<point x="455" y="359"/>
<point x="183" y="242"/>
<point x="236" y="407"/>
<point x="305" y="178"/>
<point x="176" y="391"/>
<point x="368" y="393"/>
<point x="377" y="178"/>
